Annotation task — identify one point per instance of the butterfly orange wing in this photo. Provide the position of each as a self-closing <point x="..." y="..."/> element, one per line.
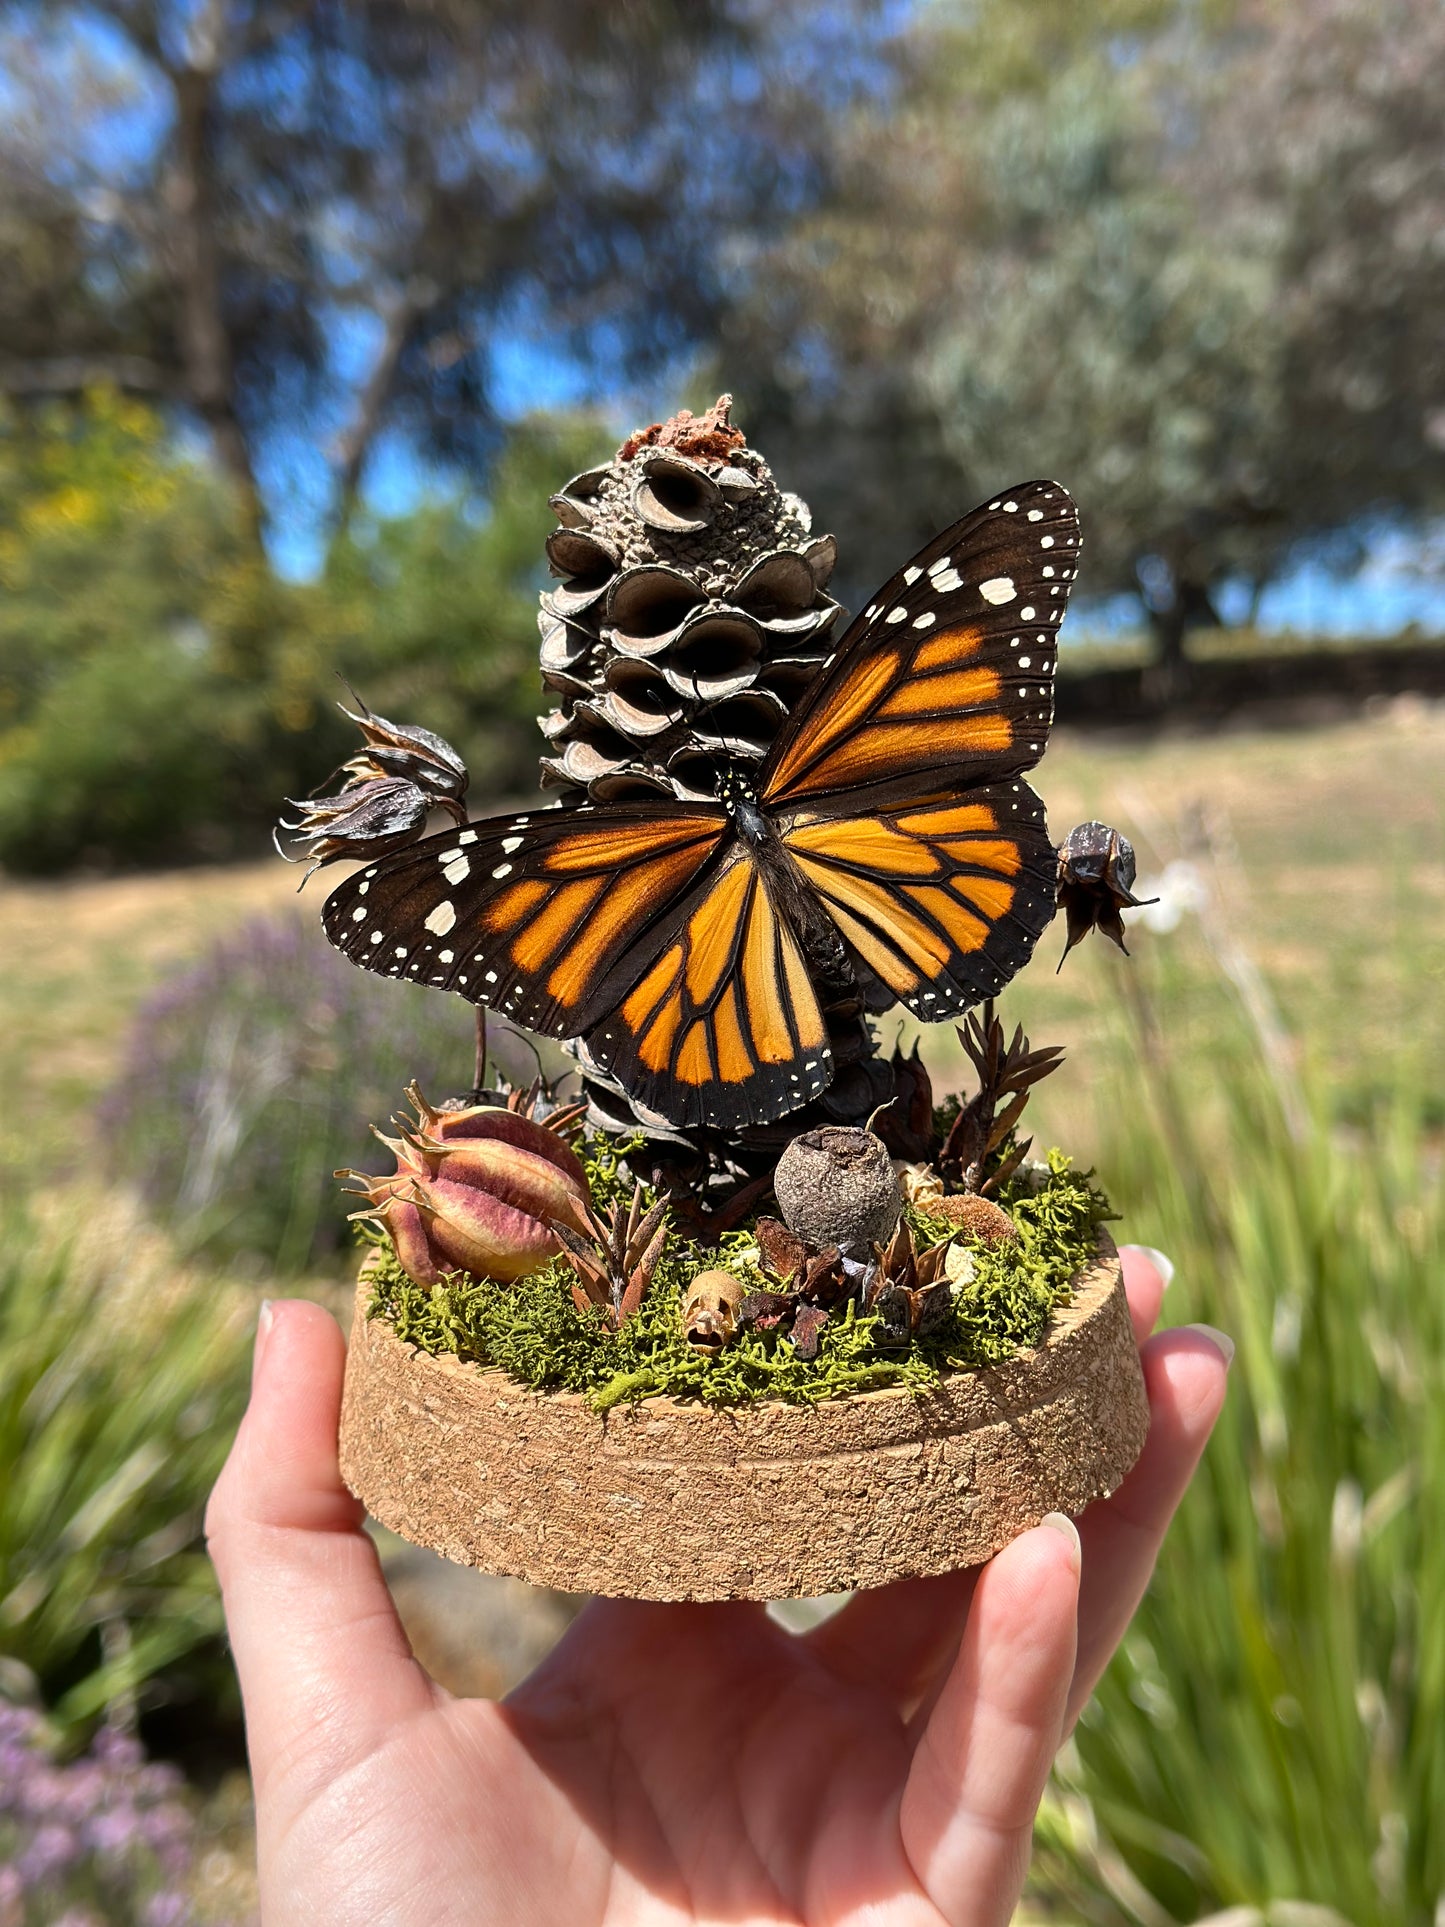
<point x="946" y="679"/>
<point x="941" y="901"/>
<point x="724" y="1028"/>
<point x="538" y="915"/>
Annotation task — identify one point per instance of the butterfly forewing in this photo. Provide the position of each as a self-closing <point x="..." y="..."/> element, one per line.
<point x="944" y="900"/>
<point x="537" y="915"/>
<point x="946" y="678"/>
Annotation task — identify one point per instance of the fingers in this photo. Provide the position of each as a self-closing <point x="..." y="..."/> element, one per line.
<point x="323" y="1662"/>
<point x="1146" y="1278"/>
<point x="978" y="1772"/>
<point x="1185" y="1372"/>
<point x="900" y="1638"/>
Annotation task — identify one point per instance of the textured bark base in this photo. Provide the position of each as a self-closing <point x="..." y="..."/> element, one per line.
<point x="672" y="1501"/>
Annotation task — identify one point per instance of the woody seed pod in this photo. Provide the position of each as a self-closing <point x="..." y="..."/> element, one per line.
<point x="710" y="1310"/>
<point x="837" y="1186"/>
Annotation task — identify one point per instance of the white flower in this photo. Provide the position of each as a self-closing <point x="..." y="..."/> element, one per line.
<point x="1180" y="888"/>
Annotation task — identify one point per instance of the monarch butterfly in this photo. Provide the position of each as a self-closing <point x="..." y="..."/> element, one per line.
<point x="887" y="850"/>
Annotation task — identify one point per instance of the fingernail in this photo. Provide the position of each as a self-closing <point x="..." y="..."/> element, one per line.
<point x="263" y="1328"/>
<point x="1216" y="1337"/>
<point x="1164" y="1266"/>
<point x="1060" y="1522"/>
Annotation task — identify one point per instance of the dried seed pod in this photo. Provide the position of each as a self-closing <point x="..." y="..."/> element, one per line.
<point x="710" y="1310"/>
<point x="1096" y="882"/>
<point x="979" y="1217"/>
<point x="837" y="1186"/>
<point x="921" y="1184"/>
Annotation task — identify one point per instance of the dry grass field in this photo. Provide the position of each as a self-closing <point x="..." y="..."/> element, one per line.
<point x="1326" y="849"/>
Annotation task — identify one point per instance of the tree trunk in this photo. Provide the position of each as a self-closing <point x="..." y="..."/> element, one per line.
<point x="205" y="344"/>
<point x="1168" y="678"/>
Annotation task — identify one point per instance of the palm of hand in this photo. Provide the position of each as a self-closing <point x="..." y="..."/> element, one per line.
<point x="666" y="1762"/>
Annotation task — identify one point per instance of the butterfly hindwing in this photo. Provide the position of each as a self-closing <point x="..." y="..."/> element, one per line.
<point x="946" y="678"/>
<point x="537" y="915"/>
<point x="942" y="900"/>
<point x="724" y="1027"/>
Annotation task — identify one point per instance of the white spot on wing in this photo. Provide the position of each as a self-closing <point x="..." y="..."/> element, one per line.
<point x="897" y="615"/>
<point x="911" y="575"/>
<point x="376" y="936"/>
<point x="502" y="870"/>
<point x="358" y="915"/>
<point x="1036" y="515"/>
<point x="998" y="589"/>
<point x="1025" y="615"/>
<point x="510" y="843"/>
<point x="442" y="918"/>
<point x="948" y="581"/>
<point x="923" y="621"/>
<point x="459" y="871"/>
<point x="467" y="836"/>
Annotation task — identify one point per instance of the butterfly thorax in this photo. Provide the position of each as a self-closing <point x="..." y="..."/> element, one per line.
<point x="827" y="955"/>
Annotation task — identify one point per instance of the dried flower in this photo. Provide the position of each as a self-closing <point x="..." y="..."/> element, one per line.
<point x="478" y="1189"/>
<point x="1007" y="1071"/>
<point x="911" y="1290"/>
<point x="905" y="1123"/>
<point x="837" y="1186"/>
<point x="615" y="1256"/>
<point x="710" y="1310"/>
<point x="390" y="789"/>
<point x="1096" y="882"/>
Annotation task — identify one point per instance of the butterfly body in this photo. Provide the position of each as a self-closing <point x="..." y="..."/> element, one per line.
<point x="886" y="851"/>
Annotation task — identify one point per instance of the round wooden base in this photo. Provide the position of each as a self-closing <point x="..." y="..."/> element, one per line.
<point x="664" y="1500"/>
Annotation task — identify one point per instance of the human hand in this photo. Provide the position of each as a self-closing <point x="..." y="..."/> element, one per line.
<point x="666" y="1763"/>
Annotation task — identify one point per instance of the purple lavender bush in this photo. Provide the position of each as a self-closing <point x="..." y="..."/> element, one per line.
<point x="104" y="1840"/>
<point x="245" y="1079"/>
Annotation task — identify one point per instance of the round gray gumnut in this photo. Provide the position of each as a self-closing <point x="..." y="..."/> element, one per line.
<point x="837" y="1186"/>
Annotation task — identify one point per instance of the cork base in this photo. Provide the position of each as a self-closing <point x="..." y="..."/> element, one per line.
<point x="665" y="1500"/>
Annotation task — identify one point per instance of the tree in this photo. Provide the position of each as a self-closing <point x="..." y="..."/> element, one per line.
<point x="335" y="213"/>
<point x="1180" y="257"/>
<point x="161" y="690"/>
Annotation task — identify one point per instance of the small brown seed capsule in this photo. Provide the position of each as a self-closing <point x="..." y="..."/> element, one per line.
<point x="710" y="1310"/>
<point x="837" y="1186"/>
<point x="981" y="1218"/>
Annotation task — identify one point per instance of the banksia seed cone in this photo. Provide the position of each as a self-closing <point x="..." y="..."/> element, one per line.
<point x="478" y="1189"/>
<point x="690" y="615"/>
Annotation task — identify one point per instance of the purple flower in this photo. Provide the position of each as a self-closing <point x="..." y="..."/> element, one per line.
<point x="167" y="1909"/>
<point x="51" y="1851"/>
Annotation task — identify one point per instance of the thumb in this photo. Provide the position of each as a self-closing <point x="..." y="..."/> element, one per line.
<point x="324" y="1664"/>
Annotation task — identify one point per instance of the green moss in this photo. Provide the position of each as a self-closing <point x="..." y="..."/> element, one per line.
<point x="534" y="1331"/>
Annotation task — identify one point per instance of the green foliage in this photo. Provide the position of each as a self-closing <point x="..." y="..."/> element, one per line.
<point x="535" y="1331"/>
<point x="161" y="692"/>
<point x="119" y="1391"/>
<point x="1273" y="1731"/>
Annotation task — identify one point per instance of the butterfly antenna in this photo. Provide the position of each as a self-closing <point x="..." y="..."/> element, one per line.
<point x="479" y="1062"/>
